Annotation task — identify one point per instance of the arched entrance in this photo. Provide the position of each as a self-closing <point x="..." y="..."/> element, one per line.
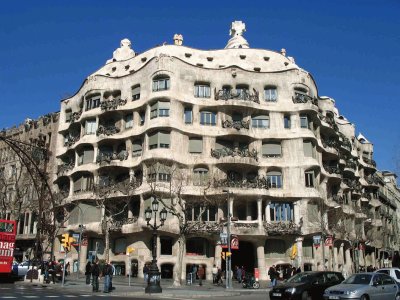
<point x="245" y="256"/>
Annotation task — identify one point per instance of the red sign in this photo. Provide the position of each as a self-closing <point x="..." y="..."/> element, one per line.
<point x="329" y="241"/>
<point x="7" y="245"/>
<point x="84" y="242"/>
<point x="234" y="243"/>
<point x="361" y="246"/>
<point x="256" y="273"/>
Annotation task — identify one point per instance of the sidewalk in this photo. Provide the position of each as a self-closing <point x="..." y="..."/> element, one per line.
<point x="208" y="290"/>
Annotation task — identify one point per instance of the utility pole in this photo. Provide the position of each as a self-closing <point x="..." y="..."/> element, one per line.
<point x="229" y="254"/>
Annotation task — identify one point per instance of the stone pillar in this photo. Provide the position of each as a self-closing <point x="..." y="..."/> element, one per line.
<point x="299" y="242"/>
<point x="71" y="185"/>
<point x="296" y="213"/>
<point x="261" y="261"/>
<point x="349" y="262"/>
<point x="248" y="211"/>
<point x="217" y="257"/>
<point x="83" y="255"/>
<point x="230" y="203"/>
<point x="335" y="259"/>
<point x="373" y="258"/>
<point x="341" y="256"/>
<point x="259" y="212"/>
<point x="267" y="212"/>
<point x="29" y="223"/>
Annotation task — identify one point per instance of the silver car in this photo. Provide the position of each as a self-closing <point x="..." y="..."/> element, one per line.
<point x="365" y="286"/>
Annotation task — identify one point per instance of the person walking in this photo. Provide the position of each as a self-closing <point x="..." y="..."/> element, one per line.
<point x="200" y="274"/>
<point x="273" y="275"/>
<point x="107" y="271"/>
<point x="214" y="274"/>
<point x="95" y="271"/>
<point x="88" y="272"/>
<point x="239" y="273"/>
<point x="194" y="273"/>
<point x="146" y="273"/>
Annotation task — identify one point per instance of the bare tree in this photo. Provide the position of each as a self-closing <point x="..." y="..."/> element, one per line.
<point x="169" y="185"/>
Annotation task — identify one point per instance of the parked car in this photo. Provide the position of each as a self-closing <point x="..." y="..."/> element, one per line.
<point x="20" y="269"/>
<point x="306" y="285"/>
<point x="365" y="286"/>
<point x="394" y="272"/>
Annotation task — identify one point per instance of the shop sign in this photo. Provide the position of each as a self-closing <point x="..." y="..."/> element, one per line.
<point x="329" y="241"/>
<point x="317" y="241"/>
<point x="234" y="242"/>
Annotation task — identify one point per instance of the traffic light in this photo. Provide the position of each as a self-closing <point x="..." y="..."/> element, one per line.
<point x="71" y="240"/>
<point x="228" y="254"/>
<point x="223" y="255"/>
<point x="65" y="241"/>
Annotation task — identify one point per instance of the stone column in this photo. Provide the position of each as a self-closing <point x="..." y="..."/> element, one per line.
<point x="341" y="255"/>
<point x="267" y="212"/>
<point x="296" y="213"/>
<point x="335" y="259"/>
<point x="261" y="261"/>
<point x="299" y="242"/>
<point x="259" y="212"/>
<point x="83" y="255"/>
<point x="71" y="186"/>
<point x="217" y="257"/>
<point x="349" y="262"/>
<point x="373" y="258"/>
<point x="28" y="231"/>
<point x="248" y="210"/>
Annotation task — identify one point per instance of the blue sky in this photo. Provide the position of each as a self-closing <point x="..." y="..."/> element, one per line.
<point x="352" y="48"/>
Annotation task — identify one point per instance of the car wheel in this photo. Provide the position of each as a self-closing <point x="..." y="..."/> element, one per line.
<point x="244" y="285"/>
<point x="305" y="296"/>
<point x="256" y="285"/>
<point x="397" y="297"/>
<point x="365" y="297"/>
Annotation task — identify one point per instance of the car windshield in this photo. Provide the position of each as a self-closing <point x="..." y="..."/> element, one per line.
<point x="358" y="279"/>
<point x="301" y="277"/>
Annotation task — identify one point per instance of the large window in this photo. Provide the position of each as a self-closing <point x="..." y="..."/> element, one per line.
<point x="308" y="149"/>
<point x="200" y="176"/>
<point x="128" y="121"/>
<point x="90" y="126"/>
<point x="304" y="122"/>
<point x="159" y="140"/>
<point x="142" y="116"/>
<point x="136" y="92"/>
<point x="137" y="148"/>
<point x="161" y="83"/>
<point x="92" y="102"/>
<point x="309" y="178"/>
<point x="85" y="156"/>
<point x="208" y="118"/>
<point x="270" y="94"/>
<point x="83" y="183"/>
<point x="261" y="121"/>
<point x="271" y="149"/>
<point x="195" y="145"/>
<point x="159" y="109"/>
<point x="286" y="122"/>
<point x="202" y="91"/>
<point x="280" y="211"/>
<point x="274" y="179"/>
<point x="159" y="172"/>
<point x="188" y="115"/>
<point x="201" y="213"/>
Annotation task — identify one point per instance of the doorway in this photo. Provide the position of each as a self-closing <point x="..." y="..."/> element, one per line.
<point x="244" y="256"/>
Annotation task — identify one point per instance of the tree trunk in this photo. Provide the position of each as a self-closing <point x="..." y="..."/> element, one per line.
<point x="179" y="263"/>
<point x="107" y="242"/>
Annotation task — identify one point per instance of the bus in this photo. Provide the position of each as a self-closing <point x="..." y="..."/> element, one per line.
<point x="8" y="231"/>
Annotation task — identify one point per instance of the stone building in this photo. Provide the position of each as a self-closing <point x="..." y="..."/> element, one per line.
<point x="248" y="133"/>
<point x="32" y="142"/>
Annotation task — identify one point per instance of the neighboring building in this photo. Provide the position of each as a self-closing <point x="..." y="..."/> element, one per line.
<point x="17" y="191"/>
<point x="245" y="121"/>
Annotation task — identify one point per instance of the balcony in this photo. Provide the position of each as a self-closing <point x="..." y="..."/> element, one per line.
<point x="256" y="183"/>
<point x="369" y="162"/>
<point x="353" y="184"/>
<point x="203" y="226"/>
<point x="112" y="104"/>
<point x="281" y="228"/>
<point x="70" y="140"/>
<point x="107" y="130"/>
<point x="351" y="163"/>
<point x="74" y="116"/>
<point x="107" y="157"/>
<point x="330" y="142"/>
<point x="372" y="180"/>
<point x="329" y="119"/>
<point x="116" y="225"/>
<point x="332" y="169"/>
<point x="65" y="167"/>
<point x="243" y="95"/>
<point x="224" y="152"/>
<point x="303" y="98"/>
<point x="236" y="124"/>
<point x="345" y="142"/>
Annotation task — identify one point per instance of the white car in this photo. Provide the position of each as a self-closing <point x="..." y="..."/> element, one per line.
<point x="393" y="272"/>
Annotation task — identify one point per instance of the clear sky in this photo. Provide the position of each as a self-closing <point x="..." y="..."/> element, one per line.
<point x="352" y="48"/>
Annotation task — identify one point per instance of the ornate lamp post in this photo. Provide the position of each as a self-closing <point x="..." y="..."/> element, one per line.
<point x="153" y="281"/>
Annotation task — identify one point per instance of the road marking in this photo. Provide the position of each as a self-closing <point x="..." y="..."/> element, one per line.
<point x="31" y="296"/>
<point x="85" y="295"/>
<point x="52" y="296"/>
<point x="8" y="297"/>
<point x="70" y="296"/>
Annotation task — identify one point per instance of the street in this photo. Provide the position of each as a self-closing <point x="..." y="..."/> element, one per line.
<point x="22" y="290"/>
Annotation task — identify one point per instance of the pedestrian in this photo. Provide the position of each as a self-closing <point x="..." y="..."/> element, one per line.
<point x="88" y="271"/>
<point x="67" y="268"/>
<point x="95" y="271"/>
<point x="145" y="273"/>
<point x="200" y="274"/>
<point x="273" y="275"/>
<point x="239" y="274"/>
<point x="52" y="271"/>
<point x="111" y="277"/>
<point x="107" y="272"/>
<point x="194" y="272"/>
<point x="214" y="273"/>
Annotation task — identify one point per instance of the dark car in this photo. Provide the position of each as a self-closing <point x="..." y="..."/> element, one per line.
<point x="306" y="286"/>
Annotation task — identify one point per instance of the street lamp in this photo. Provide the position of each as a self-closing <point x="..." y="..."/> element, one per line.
<point x="228" y="257"/>
<point x="153" y="281"/>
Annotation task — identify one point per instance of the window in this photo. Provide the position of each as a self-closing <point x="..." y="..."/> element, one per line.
<point x="286" y="121"/>
<point x="198" y="212"/>
<point x="68" y="115"/>
<point x="208" y="118"/>
<point x="270" y="94"/>
<point x="188" y="115"/>
<point x="159" y="109"/>
<point x="271" y="149"/>
<point x="202" y="91"/>
<point x="309" y="177"/>
<point x="161" y="84"/>
<point x="83" y="183"/>
<point x="128" y="121"/>
<point x="142" y="116"/>
<point x="200" y="176"/>
<point x="159" y="172"/>
<point x="195" y="145"/>
<point x="308" y="149"/>
<point x="85" y="156"/>
<point x="92" y="102"/>
<point x="304" y="121"/>
<point x="274" y="179"/>
<point x="281" y="211"/>
<point x="137" y="148"/>
<point x="166" y="245"/>
<point x="159" y="140"/>
<point x="90" y="126"/>
<point x="260" y="122"/>
<point x="135" y="92"/>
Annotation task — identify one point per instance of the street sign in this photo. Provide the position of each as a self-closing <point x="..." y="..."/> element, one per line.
<point x="129" y="250"/>
<point x="329" y="241"/>
<point x="234" y="242"/>
<point x="223" y="239"/>
<point x="84" y="242"/>
<point x="317" y="241"/>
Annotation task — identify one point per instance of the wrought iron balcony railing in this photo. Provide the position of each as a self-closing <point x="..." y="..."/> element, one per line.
<point x="256" y="183"/>
<point x="244" y="95"/>
<point x="332" y="169"/>
<point x="112" y="104"/>
<point x="71" y="139"/>
<point x="236" y="124"/>
<point x="107" y="157"/>
<point x="74" y="116"/>
<point x="281" y="227"/>
<point x="65" y="167"/>
<point x="353" y="184"/>
<point x="330" y="142"/>
<point x="369" y="161"/>
<point x="218" y="153"/>
<point x="346" y="144"/>
<point x="107" y="130"/>
<point x="303" y="98"/>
